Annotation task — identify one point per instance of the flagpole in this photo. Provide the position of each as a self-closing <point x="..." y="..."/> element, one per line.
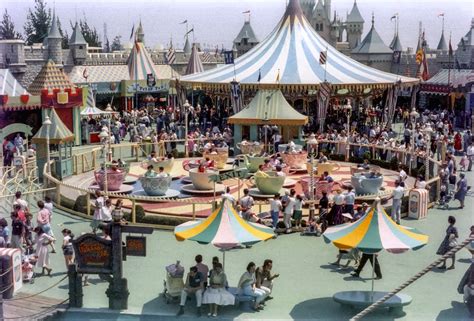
<point x="450" y="52"/>
<point x="326" y="64"/>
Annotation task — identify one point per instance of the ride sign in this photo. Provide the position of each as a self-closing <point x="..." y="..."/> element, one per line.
<point x="136" y="245"/>
<point x="93" y="254"/>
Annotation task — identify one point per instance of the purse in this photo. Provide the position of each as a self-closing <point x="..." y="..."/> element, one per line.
<point x="452" y="240"/>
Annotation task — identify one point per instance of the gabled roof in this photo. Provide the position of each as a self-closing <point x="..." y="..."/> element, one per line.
<point x="354" y="15"/>
<point x="468" y="39"/>
<point x="269" y="107"/>
<point x="195" y="63"/>
<point x="442" y="43"/>
<point x="50" y="77"/>
<point x="396" y="45"/>
<point x="54" y="30"/>
<point x="372" y="43"/>
<point x="247" y="33"/>
<point x="292" y="50"/>
<point x="58" y="132"/>
<point x="319" y="8"/>
<point x="77" y="38"/>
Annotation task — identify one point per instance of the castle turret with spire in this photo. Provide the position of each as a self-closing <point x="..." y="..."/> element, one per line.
<point x="246" y="38"/>
<point x="54" y="43"/>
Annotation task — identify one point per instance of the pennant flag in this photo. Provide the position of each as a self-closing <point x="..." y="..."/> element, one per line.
<point x="419" y="56"/>
<point x="131" y="33"/>
<point x="185" y="21"/>
<point x="259" y="76"/>
<point x="228" y="57"/>
<point x="423" y="72"/>
<point x="323" y="57"/>
<point x="85" y="73"/>
<point x="394" y="17"/>
<point x="191" y="30"/>
<point x="441" y="15"/>
<point x="248" y="11"/>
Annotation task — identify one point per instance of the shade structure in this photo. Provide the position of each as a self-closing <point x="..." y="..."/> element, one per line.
<point x="375" y="232"/>
<point x="269" y="106"/>
<point x="93" y="111"/>
<point x="224" y="228"/>
<point x="290" y="55"/>
<point x="58" y="132"/>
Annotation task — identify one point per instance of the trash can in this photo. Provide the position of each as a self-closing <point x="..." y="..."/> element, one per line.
<point x="418" y="203"/>
<point x="11" y="281"/>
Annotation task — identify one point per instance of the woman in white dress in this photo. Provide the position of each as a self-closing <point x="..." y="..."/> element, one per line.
<point x="42" y="242"/>
<point x="216" y="294"/>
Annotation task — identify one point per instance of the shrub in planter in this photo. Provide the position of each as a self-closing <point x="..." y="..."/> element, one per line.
<point x="80" y="205"/>
<point x="367" y="155"/>
<point x="355" y="159"/>
<point x="394" y="163"/>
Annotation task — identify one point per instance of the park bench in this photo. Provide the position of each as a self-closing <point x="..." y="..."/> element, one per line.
<point x="363" y="299"/>
<point x="239" y="298"/>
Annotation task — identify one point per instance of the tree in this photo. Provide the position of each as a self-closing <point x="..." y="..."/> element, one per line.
<point x="37" y="23"/>
<point x="90" y="34"/>
<point x="116" y="44"/>
<point x="7" y="28"/>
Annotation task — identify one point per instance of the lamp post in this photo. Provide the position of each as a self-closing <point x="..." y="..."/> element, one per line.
<point x="186" y="111"/>
<point x="265" y="120"/>
<point x="348" y="110"/>
<point x="428" y="131"/>
<point x="413" y="117"/>
<point x="312" y="143"/>
<point x="103" y="137"/>
<point x="47" y="123"/>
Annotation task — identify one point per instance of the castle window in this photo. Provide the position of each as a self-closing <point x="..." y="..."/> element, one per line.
<point x="317" y="27"/>
<point x="245" y="40"/>
<point x="321" y="27"/>
<point x="12" y="49"/>
<point x="80" y="47"/>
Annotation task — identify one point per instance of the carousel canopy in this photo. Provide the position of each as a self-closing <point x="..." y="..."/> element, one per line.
<point x="50" y="77"/>
<point x="58" y="132"/>
<point x="290" y="56"/>
<point x="140" y="63"/>
<point x="269" y="106"/>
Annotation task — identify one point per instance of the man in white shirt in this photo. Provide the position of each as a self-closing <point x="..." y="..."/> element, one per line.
<point x="470" y="155"/>
<point x="402" y="175"/>
<point x="397" y="196"/>
<point x="288" y="211"/>
<point x="275" y="208"/>
<point x="21" y="202"/>
<point x="228" y="196"/>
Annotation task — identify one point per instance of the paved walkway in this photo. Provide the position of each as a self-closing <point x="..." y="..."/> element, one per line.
<point x="306" y="285"/>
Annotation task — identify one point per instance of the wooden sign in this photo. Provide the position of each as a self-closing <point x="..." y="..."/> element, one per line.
<point x="239" y="173"/>
<point x="136" y="245"/>
<point x="93" y="254"/>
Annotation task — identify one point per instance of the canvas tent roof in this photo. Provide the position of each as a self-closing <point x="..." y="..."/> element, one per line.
<point x="58" y="132"/>
<point x="269" y="106"/>
<point x="292" y="51"/>
<point x="50" y="77"/>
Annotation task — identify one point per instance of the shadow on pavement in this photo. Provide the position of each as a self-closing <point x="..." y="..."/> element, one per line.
<point x="458" y="312"/>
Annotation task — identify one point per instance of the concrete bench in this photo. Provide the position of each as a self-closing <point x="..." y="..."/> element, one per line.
<point x="239" y="298"/>
<point x="363" y="299"/>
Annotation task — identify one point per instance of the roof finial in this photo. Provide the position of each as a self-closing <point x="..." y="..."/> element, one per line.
<point x="373" y="19"/>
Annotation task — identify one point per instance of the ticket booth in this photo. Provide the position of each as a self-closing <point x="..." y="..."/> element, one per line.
<point x="418" y="203"/>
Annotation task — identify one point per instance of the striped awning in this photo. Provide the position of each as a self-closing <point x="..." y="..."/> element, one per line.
<point x="375" y="232"/>
<point x="140" y="63"/>
<point x="290" y="56"/>
<point x="58" y="132"/>
<point x="224" y="228"/>
<point x="453" y="77"/>
<point x="270" y="107"/>
<point x="9" y="85"/>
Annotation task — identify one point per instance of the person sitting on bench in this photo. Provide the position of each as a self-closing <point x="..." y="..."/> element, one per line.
<point x="264" y="277"/>
<point x="247" y="287"/>
<point x="194" y="285"/>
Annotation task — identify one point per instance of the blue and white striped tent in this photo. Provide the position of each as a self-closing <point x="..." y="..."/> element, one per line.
<point x="290" y="56"/>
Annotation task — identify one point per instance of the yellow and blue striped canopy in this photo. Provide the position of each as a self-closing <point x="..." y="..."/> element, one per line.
<point x="375" y="232"/>
<point x="224" y="228"/>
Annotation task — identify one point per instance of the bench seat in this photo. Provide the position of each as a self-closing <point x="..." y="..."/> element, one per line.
<point x="362" y="299"/>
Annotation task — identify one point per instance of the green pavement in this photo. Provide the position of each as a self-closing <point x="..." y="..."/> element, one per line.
<point x="306" y="284"/>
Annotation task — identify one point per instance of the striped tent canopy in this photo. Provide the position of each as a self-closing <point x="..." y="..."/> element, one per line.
<point x="58" y="132"/>
<point x="375" y="232"/>
<point x="269" y="106"/>
<point x="50" y="77"/>
<point x="9" y="85"/>
<point x="291" y="54"/>
<point x="195" y="63"/>
<point x="140" y="63"/>
<point x="224" y="228"/>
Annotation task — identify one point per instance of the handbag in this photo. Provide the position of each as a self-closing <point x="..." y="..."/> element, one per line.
<point x="452" y="240"/>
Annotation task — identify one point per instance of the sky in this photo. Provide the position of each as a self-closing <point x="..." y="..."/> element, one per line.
<point x="218" y="22"/>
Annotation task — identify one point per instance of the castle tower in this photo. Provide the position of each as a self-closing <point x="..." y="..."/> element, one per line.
<point x="321" y="22"/>
<point x="354" y="26"/>
<point x="246" y="39"/>
<point x="78" y="46"/>
<point x="442" y="46"/>
<point x="307" y="6"/>
<point x="54" y="41"/>
<point x="140" y="34"/>
<point x="327" y="5"/>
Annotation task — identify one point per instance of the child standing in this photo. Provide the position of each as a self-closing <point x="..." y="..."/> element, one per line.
<point x="275" y="208"/>
<point x="464" y="163"/>
<point x="298" y="211"/>
<point x="67" y="247"/>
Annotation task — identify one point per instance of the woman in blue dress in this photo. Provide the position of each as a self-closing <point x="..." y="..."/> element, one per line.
<point x="449" y="242"/>
<point x="461" y="190"/>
